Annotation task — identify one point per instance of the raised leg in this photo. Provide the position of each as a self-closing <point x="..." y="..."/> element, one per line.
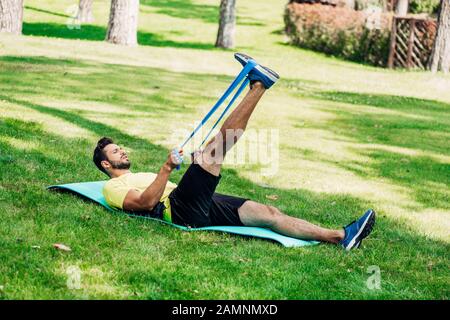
<point x="255" y="214"/>
<point x="212" y="157"/>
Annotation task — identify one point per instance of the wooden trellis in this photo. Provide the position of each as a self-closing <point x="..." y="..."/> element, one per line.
<point x="411" y="42"/>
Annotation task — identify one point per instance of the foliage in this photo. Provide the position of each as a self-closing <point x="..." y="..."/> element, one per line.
<point x="337" y="31"/>
<point x="424" y="6"/>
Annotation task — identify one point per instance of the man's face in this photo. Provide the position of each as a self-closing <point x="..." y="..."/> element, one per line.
<point x="117" y="157"/>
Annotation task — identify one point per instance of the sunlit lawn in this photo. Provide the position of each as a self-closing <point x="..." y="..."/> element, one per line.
<point x="350" y="137"/>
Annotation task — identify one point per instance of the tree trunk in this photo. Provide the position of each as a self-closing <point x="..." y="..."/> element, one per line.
<point x="227" y="24"/>
<point x="440" y="57"/>
<point x="11" y="16"/>
<point x="402" y="8"/>
<point x="123" y="22"/>
<point x="85" y="11"/>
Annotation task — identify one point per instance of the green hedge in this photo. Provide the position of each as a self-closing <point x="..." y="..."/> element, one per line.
<point x="358" y="44"/>
<point x="424" y="6"/>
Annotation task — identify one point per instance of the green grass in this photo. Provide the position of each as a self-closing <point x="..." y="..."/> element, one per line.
<point x="351" y="137"/>
<point x="96" y="33"/>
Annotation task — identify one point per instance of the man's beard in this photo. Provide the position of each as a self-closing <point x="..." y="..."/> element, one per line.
<point x="120" y="165"/>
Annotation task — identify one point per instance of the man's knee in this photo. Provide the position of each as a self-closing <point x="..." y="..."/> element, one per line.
<point x="213" y="154"/>
<point x="272" y="216"/>
<point x="206" y="162"/>
<point x="256" y="214"/>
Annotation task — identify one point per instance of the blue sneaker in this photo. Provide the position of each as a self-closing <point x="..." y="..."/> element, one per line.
<point x="356" y="231"/>
<point x="243" y="58"/>
<point x="259" y="73"/>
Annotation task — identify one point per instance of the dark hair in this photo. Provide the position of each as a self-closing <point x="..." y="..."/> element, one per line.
<point x="99" y="154"/>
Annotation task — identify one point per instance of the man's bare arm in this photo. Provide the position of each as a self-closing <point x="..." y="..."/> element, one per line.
<point x="147" y="200"/>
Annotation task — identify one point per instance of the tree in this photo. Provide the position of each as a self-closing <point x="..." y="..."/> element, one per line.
<point x="11" y="16"/>
<point x="123" y="22"/>
<point x="227" y="24"/>
<point x="402" y="7"/>
<point x="85" y="11"/>
<point x="440" y="57"/>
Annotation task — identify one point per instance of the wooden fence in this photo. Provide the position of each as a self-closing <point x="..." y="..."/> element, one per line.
<point x="411" y="42"/>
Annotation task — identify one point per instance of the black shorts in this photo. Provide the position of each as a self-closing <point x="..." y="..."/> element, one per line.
<point x="194" y="203"/>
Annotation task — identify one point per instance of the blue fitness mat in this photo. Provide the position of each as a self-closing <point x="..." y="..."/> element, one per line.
<point x="93" y="191"/>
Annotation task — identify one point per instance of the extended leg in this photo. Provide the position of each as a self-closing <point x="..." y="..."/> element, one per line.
<point x="255" y="214"/>
<point x="214" y="153"/>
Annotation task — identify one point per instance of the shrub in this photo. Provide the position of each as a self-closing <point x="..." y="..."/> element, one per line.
<point x="337" y="31"/>
<point x="424" y="6"/>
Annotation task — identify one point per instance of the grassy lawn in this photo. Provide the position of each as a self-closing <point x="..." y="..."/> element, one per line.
<point x="351" y="137"/>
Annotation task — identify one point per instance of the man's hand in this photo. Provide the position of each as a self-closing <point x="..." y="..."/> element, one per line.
<point x="172" y="159"/>
<point x="147" y="200"/>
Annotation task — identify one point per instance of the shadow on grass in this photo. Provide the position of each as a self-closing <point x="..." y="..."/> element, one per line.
<point x="430" y="118"/>
<point x="37" y="61"/>
<point x="186" y="9"/>
<point x="247" y="21"/>
<point x="97" y="33"/>
<point x="151" y="95"/>
<point x="426" y="179"/>
<point x="409" y="104"/>
<point x="278" y="31"/>
<point x="48" y="12"/>
<point x="402" y="147"/>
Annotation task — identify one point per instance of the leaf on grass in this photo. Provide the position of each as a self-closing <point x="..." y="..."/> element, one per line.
<point x="272" y="197"/>
<point x="61" y="247"/>
<point x="35" y="247"/>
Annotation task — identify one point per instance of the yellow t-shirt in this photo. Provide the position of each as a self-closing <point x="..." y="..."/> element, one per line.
<point x="116" y="189"/>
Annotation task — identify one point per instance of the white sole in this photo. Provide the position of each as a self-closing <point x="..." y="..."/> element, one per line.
<point x="266" y="73"/>
<point x="259" y="67"/>
<point x="352" y="243"/>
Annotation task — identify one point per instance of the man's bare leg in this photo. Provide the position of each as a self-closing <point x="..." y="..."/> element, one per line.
<point x="253" y="214"/>
<point x="216" y="149"/>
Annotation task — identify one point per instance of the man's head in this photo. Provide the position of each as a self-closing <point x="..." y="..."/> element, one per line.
<point x="109" y="156"/>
